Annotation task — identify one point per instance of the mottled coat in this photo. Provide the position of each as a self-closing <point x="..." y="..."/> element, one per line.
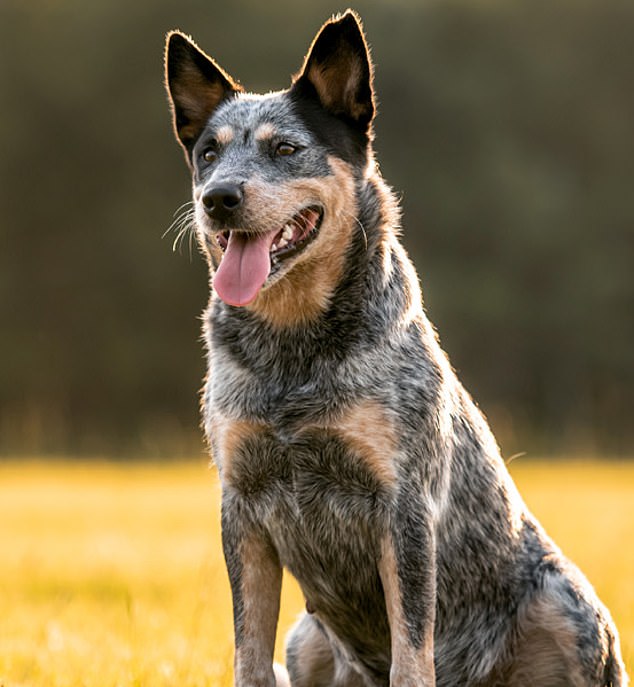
<point x="347" y="449"/>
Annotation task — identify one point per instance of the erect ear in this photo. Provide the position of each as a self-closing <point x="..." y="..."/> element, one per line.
<point x="196" y="85"/>
<point x="338" y="67"/>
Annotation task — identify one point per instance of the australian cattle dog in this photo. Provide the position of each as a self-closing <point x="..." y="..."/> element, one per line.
<point x="348" y="451"/>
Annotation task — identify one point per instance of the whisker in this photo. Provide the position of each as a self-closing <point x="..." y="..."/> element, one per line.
<point x="183" y="224"/>
<point x="184" y="205"/>
<point x="360" y="225"/>
<point x="185" y="228"/>
<point x="365" y="236"/>
<point x="182" y="213"/>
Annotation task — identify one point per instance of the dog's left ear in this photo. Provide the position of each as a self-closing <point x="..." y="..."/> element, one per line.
<point x="339" y="69"/>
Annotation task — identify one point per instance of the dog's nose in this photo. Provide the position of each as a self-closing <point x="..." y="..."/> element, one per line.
<point x="221" y="201"/>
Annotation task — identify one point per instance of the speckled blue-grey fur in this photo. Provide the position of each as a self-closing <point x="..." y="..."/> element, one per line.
<point x="348" y="451"/>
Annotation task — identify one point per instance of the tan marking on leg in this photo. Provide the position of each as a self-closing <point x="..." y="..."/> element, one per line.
<point x="369" y="430"/>
<point x="411" y="666"/>
<point x="225" y="135"/>
<point x="265" y="132"/>
<point x="226" y="436"/>
<point x="304" y="292"/>
<point x="261" y="585"/>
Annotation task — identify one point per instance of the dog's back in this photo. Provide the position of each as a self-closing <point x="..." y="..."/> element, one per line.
<point x="348" y="451"/>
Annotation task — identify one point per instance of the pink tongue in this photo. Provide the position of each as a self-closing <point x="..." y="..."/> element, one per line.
<point x="244" y="268"/>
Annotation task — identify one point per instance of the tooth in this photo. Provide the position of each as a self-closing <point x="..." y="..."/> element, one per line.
<point x="273" y="247"/>
<point x="288" y="232"/>
<point x="283" y="243"/>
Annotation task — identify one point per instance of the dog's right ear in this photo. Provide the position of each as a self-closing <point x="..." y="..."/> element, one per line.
<point x="196" y="85"/>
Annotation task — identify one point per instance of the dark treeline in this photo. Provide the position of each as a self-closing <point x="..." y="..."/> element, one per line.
<point x="508" y="128"/>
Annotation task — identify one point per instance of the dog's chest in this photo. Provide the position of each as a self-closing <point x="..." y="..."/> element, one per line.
<point x="320" y="491"/>
<point x="331" y="473"/>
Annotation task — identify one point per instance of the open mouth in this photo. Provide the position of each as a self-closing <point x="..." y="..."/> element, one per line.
<point x="295" y="235"/>
<point x="249" y="259"/>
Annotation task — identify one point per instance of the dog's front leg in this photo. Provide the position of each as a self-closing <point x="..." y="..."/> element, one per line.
<point x="407" y="571"/>
<point x="256" y="579"/>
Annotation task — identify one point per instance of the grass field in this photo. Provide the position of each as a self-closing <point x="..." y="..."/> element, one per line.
<point x="112" y="575"/>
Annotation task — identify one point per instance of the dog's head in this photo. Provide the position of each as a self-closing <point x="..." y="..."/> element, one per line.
<point x="274" y="175"/>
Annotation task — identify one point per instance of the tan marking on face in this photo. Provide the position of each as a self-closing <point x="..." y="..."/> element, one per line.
<point x="260" y="586"/>
<point x="304" y="292"/>
<point x="227" y="434"/>
<point x="369" y="431"/>
<point x="410" y="665"/>
<point x="225" y="135"/>
<point x="265" y="132"/>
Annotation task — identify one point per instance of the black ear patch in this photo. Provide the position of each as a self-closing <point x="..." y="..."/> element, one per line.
<point x="339" y="69"/>
<point x="196" y="85"/>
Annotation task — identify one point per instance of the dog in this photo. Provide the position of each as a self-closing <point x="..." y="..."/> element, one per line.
<point x="348" y="451"/>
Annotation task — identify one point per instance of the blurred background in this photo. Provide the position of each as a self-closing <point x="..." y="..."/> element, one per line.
<point x="506" y="127"/>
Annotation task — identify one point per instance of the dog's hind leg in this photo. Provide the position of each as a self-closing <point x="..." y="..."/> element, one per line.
<point x="311" y="660"/>
<point x="563" y="641"/>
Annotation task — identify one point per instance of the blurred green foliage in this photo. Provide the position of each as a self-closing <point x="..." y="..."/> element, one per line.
<point x="506" y="126"/>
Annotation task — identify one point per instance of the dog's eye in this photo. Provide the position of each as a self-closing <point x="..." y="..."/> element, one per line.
<point x="209" y="155"/>
<point x="285" y="149"/>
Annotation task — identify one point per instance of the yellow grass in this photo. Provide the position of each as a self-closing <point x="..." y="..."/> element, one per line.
<point x="113" y="575"/>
